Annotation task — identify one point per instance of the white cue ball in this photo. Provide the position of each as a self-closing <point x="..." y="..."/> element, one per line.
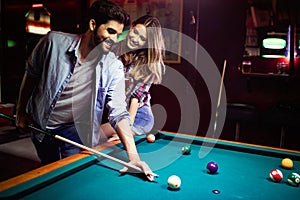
<point x="174" y="182"/>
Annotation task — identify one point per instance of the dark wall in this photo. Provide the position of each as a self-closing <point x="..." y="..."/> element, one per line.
<point x="221" y="32"/>
<point x="66" y="16"/>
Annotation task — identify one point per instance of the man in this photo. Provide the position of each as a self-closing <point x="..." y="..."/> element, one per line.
<point x="69" y="79"/>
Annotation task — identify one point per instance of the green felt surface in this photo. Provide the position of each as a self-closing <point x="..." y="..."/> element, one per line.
<point x="243" y="174"/>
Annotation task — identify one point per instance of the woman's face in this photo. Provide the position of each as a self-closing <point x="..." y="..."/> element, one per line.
<point x="137" y="37"/>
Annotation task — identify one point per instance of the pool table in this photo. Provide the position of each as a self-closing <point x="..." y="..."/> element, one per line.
<point x="243" y="172"/>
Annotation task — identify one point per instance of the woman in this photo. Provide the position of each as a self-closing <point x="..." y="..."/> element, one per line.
<point x="142" y="53"/>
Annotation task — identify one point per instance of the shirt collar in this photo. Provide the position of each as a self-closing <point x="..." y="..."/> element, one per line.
<point x="75" y="45"/>
<point x="103" y="58"/>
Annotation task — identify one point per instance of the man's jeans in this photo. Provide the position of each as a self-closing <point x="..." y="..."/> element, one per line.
<point x="51" y="149"/>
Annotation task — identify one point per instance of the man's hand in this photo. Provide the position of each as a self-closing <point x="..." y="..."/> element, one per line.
<point x="23" y="120"/>
<point x="143" y="165"/>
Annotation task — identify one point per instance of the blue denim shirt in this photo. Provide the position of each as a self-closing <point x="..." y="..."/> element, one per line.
<point x="53" y="61"/>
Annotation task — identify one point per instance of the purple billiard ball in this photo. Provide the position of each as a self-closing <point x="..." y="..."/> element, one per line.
<point x="212" y="167"/>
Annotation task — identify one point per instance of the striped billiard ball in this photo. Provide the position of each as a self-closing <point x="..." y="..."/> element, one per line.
<point x="293" y="179"/>
<point x="275" y="175"/>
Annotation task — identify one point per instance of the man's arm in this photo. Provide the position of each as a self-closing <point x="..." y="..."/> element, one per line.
<point x="125" y="133"/>
<point x="26" y="89"/>
<point x="120" y="120"/>
<point x="127" y="139"/>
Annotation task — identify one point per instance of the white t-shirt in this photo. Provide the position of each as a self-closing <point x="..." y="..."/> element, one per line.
<point x="75" y="101"/>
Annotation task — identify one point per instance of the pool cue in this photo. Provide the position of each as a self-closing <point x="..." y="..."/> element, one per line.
<point x="219" y="97"/>
<point x="79" y="145"/>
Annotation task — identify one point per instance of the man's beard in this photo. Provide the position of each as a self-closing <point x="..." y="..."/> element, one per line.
<point x="104" y="44"/>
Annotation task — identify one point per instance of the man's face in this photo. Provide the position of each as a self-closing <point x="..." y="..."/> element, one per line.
<point x="107" y="34"/>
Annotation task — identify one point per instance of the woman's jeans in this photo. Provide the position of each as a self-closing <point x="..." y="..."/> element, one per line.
<point x="144" y="120"/>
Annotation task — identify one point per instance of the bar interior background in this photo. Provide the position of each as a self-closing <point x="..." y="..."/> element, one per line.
<point x="263" y="106"/>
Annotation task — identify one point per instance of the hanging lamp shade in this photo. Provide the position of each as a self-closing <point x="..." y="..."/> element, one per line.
<point x="38" y="20"/>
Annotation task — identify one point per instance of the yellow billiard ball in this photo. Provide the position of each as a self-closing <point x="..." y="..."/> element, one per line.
<point x="287" y="163"/>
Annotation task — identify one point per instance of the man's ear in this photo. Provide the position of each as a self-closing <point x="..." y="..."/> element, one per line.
<point x="92" y="24"/>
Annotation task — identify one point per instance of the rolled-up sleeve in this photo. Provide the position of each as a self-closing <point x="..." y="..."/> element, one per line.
<point x="116" y="99"/>
<point x="141" y="91"/>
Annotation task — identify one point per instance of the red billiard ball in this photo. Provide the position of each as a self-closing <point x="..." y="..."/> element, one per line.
<point x="275" y="175"/>
<point x="212" y="167"/>
<point x="150" y="138"/>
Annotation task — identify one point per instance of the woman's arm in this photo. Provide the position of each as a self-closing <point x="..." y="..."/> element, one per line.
<point x="134" y="105"/>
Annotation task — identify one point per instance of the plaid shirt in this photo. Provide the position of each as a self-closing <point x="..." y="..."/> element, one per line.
<point x="136" y="89"/>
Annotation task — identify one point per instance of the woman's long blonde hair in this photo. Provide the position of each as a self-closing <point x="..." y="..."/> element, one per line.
<point x="148" y="62"/>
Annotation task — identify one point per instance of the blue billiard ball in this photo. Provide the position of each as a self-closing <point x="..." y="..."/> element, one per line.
<point x="212" y="167"/>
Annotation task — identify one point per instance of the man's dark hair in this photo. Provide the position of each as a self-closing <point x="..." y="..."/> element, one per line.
<point x="103" y="10"/>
